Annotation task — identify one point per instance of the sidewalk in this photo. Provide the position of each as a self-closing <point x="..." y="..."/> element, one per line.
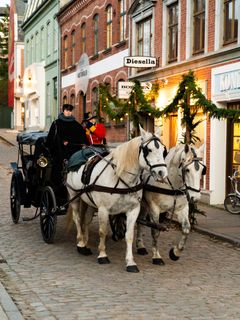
<point x="216" y="223"/>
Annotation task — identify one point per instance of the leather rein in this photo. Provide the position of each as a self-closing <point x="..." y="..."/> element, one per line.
<point x="115" y="190"/>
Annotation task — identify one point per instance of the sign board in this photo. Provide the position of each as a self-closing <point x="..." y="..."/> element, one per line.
<point x="82" y="74"/>
<point x="140" y="62"/>
<point x="125" y="88"/>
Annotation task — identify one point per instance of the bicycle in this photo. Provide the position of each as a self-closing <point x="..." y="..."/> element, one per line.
<point x="232" y="200"/>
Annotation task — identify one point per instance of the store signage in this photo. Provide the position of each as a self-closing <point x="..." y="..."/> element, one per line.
<point x="226" y="82"/>
<point x="125" y="88"/>
<point x="140" y="62"/>
<point x="82" y="74"/>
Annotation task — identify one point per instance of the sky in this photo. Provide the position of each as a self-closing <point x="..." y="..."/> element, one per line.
<point x="4" y="2"/>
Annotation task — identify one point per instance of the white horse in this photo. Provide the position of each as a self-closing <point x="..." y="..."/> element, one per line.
<point x="115" y="186"/>
<point x="185" y="170"/>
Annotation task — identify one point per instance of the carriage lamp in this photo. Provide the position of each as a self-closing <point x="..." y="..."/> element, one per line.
<point x="42" y="161"/>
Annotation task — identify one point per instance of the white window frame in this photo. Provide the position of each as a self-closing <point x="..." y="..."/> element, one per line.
<point x="189" y="28"/>
<point x="166" y="4"/>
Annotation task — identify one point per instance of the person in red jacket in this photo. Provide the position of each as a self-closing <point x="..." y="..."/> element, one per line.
<point x="96" y="132"/>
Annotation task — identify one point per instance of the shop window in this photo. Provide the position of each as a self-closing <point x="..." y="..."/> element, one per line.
<point x="64" y="99"/>
<point x="198" y="26"/>
<point x="230" y="21"/>
<point x="95" y="98"/>
<point x="173" y="32"/>
<point x="72" y="99"/>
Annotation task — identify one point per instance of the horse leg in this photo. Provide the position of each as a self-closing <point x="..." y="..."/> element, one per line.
<point x="79" y="208"/>
<point x="129" y="235"/>
<point x="139" y="241"/>
<point x="156" y="259"/>
<point x="176" y="251"/>
<point x="103" y="222"/>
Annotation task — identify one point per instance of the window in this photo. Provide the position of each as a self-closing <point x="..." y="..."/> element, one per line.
<point x="42" y="43"/>
<point x="28" y="53"/>
<point x="122" y="22"/>
<point x="144" y="37"/>
<point x="172" y="32"/>
<point x="48" y="100"/>
<point x="32" y="50"/>
<point x="109" y="26"/>
<point x="37" y="46"/>
<point x="95" y="28"/>
<point x="48" y="38"/>
<point x="73" y="46"/>
<point x="65" y="52"/>
<point x="230" y="21"/>
<point x="55" y="87"/>
<point x="198" y="25"/>
<point x="64" y="99"/>
<point x="83" y="33"/>
<point x="55" y="36"/>
<point x="95" y="98"/>
<point x="72" y="99"/>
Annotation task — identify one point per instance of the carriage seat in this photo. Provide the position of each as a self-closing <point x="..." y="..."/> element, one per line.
<point x="82" y="156"/>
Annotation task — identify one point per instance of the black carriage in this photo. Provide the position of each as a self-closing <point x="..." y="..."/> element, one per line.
<point x="33" y="184"/>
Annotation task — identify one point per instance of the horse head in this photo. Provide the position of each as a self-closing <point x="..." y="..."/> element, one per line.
<point x="152" y="155"/>
<point x="191" y="169"/>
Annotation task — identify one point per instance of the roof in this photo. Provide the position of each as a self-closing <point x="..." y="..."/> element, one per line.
<point x="32" y="7"/>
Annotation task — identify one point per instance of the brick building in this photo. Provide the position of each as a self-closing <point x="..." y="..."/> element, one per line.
<point x="94" y="41"/>
<point x="204" y="36"/>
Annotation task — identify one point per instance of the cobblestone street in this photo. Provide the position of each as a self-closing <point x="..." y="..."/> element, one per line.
<point x="55" y="282"/>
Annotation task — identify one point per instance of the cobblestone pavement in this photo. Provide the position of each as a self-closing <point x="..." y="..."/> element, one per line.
<point x="54" y="282"/>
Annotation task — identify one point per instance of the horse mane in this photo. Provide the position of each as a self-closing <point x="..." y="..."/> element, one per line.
<point x="126" y="155"/>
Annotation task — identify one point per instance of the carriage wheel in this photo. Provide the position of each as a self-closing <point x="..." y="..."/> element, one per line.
<point x="118" y="226"/>
<point x="232" y="204"/>
<point x="15" y="202"/>
<point x="48" y="217"/>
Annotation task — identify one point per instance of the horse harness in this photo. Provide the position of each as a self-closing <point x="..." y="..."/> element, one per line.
<point x="144" y="148"/>
<point x="113" y="190"/>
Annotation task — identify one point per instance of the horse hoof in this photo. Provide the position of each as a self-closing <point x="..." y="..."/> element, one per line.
<point x="84" y="251"/>
<point x="133" y="269"/>
<point x="172" y="255"/>
<point x="158" y="261"/>
<point x="142" y="251"/>
<point x="103" y="260"/>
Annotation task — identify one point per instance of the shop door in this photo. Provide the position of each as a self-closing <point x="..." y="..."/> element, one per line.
<point x="233" y="146"/>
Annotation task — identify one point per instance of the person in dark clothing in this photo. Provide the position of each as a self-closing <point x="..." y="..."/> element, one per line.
<point x="65" y="137"/>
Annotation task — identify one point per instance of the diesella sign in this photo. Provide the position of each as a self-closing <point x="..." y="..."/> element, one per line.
<point x="140" y="62"/>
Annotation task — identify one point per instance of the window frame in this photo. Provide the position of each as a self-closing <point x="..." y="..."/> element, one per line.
<point x="199" y="13"/>
<point x="95" y="33"/>
<point x="233" y="29"/>
<point x="171" y="27"/>
<point x="109" y="24"/>
<point x="122" y="20"/>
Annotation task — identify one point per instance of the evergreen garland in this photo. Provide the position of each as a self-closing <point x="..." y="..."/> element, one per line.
<point x="135" y="107"/>
<point x="139" y="105"/>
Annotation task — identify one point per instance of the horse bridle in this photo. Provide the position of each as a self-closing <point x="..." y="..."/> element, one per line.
<point x="197" y="162"/>
<point x="144" y="148"/>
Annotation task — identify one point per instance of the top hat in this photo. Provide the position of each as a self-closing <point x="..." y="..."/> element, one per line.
<point x="88" y="116"/>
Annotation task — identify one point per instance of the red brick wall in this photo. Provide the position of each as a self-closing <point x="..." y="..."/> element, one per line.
<point x="72" y="18"/>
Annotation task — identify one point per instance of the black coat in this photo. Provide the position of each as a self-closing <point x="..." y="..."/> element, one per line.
<point x="65" y="129"/>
